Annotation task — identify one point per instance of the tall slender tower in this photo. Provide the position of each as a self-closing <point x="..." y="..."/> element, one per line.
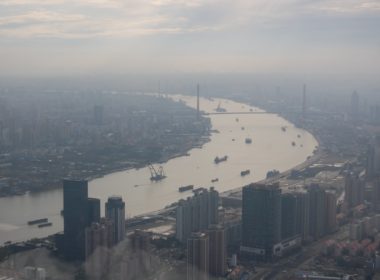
<point x="304" y="102"/>
<point x="198" y="113"/>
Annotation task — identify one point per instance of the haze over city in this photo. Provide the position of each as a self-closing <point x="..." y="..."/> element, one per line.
<point x="189" y="139"/>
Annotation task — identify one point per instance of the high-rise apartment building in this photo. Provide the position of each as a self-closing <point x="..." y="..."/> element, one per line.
<point x="198" y="257"/>
<point x="353" y="190"/>
<point x="317" y="211"/>
<point x="98" y="235"/>
<point x="217" y="250"/>
<point x="197" y="213"/>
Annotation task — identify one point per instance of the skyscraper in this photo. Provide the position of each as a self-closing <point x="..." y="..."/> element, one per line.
<point x="75" y="216"/>
<point x="93" y="210"/>
<point x="198" y="257"/>
<point x="261" y="220"/>
<point x="115" y="212"/>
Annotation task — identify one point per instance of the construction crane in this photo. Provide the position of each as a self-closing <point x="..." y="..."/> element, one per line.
<point x="156" y="174"/>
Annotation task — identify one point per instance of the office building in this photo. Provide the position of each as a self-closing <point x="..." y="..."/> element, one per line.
<point x="198" y="257"/>
<point x="289" y="216"/>
<point x="261" y="220"/>
<point x="115" y="212"/>
<point x="93" y="210"/>
<point x="75" y="216"/>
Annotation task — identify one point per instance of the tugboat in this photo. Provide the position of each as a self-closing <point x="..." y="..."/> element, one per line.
<point x="156" y="174"/>
<point x="245" y="172"/>
<point x="218" y="159"/>
<point x="248" y="140"/>
<point x="185" y="188"/>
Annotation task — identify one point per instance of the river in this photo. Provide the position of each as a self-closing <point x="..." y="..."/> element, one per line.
<point x="271" y="148"/>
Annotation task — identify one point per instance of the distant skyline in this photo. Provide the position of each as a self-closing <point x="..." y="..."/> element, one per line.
<point x="96" y="37"/>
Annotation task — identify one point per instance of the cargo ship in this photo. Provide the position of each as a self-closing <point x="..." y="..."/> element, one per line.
<point x="245" y="172"/>
<point x="218" y="159"/>
<point x="185" y="188"/>
<point x="45" y="225"/>
<point x="38" y="221"/>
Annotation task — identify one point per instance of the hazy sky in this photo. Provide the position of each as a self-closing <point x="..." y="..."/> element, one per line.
<point x="60" y="37"/>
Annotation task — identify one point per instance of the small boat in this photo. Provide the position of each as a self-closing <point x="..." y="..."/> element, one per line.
<point x="283" y="128"/>
<point x="218" y="159"/>
<point x="45" y="225"/>
<point x="38" y="221"/>
<point x="293" y="143"/>
<point x="185" y="188"/>
<point x="248" y="140"/>
<point x="298" y="135"/>
<point x="242" y="128"/>
<point x="233" y="139"/>
<point x="214" y="180"/>
<point x="245" y="172"/>
<point x="237" y="119"/>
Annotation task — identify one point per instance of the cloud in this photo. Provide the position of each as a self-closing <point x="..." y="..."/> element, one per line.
<point x="117" y="18"/>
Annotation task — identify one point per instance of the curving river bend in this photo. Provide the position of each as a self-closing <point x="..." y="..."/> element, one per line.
<point x="271" y="148"/>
